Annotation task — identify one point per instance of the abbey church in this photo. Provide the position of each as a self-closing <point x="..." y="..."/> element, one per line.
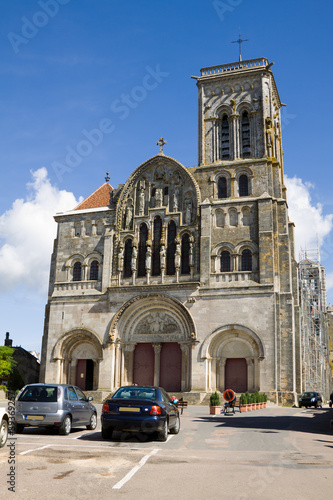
<point x="185" y="277"/>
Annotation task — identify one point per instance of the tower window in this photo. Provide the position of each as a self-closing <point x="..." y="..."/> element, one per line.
<point x="243" y="185"/>
<point x="246" y="260"/>
<point x="185" y="262"/>
<point x="127" y="259"/>
<point x="93" y="274"/>
<point x="77" y="271"/>
<point x="171" y="249"/>
<point x="225" y="155"/>
<point x="143" y="236"/>
<point x="156" y="264"/>
<point x="225" y="262"/>
<point x="246" y="146"/>
<point x="222" y="191"/>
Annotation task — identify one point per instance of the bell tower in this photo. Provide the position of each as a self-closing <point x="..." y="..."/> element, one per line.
<point x="239" y="113"/>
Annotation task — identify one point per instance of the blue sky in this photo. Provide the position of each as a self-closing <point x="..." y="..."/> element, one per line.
<point x="71" y="67"/>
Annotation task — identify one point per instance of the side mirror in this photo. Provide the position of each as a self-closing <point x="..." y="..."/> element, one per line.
<point x="90" y="398"/>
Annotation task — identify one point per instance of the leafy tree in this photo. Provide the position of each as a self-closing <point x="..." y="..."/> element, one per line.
<point x="7" y="362"/>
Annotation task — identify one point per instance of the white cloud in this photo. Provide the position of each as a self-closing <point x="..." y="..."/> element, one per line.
<point x="311" y="225"/>
<point x="27" y="231"/>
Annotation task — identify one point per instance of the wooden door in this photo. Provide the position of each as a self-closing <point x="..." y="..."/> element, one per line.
<point x="143" y="364"/>
<point x="81" y="373"/>
<point x="236" y="374"/>
<point x="171" y="367"/>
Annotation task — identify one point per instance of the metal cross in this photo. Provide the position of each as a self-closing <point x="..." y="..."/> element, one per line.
<point x="107" y="178"/>
<point x="161" y="143"/>
<point x="240" y="41"/>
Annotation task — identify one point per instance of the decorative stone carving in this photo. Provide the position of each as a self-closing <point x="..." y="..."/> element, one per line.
<point x="134" y="258"/>
<point x="163" y="257"/>
<point x="148" y="257"/>
<point x="121" y="257"/>
<point x="142" y="199"/>
<point x="159" y="198"/>
<point x="188" y="211"/>
<point x="175" y="200"/>
<point x="128" y="217"/>
<point x="157" y="323"/>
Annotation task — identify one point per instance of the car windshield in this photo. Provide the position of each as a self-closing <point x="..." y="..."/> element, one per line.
<point x="43" y="394"/>
<point x="308" y="394"/>
<point x="135" y="393"/>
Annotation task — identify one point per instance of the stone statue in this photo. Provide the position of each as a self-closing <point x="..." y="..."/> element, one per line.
<point x="142" y="201"/>
<point x="188" y="211"/>
<point x="191" y="257"/>
<point x="163" y="256"/>
<point x="175" y="200"/>
<point x="121" y="257"/>
<point x="148" y="258"/>
<point x="134" y="259"/>
<point x="159" y="198"/>
<point x="128" y="217"/>
<point x="177" y="254"/>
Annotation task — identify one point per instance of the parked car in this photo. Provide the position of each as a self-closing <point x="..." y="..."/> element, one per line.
<point x="144" y="409"/>
<point x="4" y="419"/>
<point x="310" y="399"/>
<point x="54" y="405"/>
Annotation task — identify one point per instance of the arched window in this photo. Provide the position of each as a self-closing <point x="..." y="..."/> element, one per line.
<point x="93" y="272"/>
<point x="225" y="262"/>
<point x="127" y="259"/>
<point x="246" y="216"/>
<point x="219" y="217"/>
<point x="100" y="227"/>
<point x="185" y="262"/>
<point x="233" y="217"/>
<point x="246" y="146"/>
<point x="222" y="191"/>
<point x="77" y="271"/>
<point x="246" y="260"/>
<point x="243" y="185"/>
<point x="225" y="155"/>
<point x="171" y="249"/>
<point x="156" y="263"/>
<point x="143" y="236"/>
<point x="77" y="229"/>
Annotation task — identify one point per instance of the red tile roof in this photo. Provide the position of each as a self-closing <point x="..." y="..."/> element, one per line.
<point x="99" y="198"/>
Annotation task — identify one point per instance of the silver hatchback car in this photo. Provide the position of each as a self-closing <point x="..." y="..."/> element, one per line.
<point x="54" y="405"/>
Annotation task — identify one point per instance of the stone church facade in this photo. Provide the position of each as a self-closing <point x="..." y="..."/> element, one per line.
<point x="185" y="277"/>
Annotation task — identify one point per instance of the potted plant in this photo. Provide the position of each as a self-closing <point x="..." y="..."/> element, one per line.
<point x="215" y="404"/>
<point x="257" y="400"/>
<point x="248" y="401"/>
<point x="242" y="403"/>
<point x="264" y="400"/>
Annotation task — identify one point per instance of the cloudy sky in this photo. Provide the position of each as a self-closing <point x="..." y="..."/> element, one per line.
<point x="118" y="74"/>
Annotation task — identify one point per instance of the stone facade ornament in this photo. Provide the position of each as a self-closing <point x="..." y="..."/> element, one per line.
<point x="157" y="323"/>
<point x="134" y="259"/>
<point x="142" y="200"/>
<point x="159" y="198"/>
<point x="188" y="211"/>
<point x="121" y="257"/>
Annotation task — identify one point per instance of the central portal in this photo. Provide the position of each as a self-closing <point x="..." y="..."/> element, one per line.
<point x="236" y="374"/>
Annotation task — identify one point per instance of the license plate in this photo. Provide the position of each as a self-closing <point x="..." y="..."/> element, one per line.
<point x="135" y="410"/>
<point x="35" y="417"/>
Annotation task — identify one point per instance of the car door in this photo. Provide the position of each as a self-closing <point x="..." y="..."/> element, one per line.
<point x="74" y="405"/>
<point x="84" y="407"/>
<point x="172" y="412"/>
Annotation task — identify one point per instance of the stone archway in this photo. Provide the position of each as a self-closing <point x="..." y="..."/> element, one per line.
<point x="166" y="329"/>
<point x="78" y="354"/>
<point x="233" y="355"/>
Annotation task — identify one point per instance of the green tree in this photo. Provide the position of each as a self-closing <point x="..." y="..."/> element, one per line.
<point x="6" y="361"/>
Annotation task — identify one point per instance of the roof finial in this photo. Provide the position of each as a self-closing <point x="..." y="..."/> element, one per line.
<point x="240" y="41"/>
<point x="107" y="177"/>
<point x="161" y="143"/>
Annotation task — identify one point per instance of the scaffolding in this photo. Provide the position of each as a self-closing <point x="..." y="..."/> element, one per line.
<point x="313" y="322"/>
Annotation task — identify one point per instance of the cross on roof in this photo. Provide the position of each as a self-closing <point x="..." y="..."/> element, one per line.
<point x="161" y="143"/>
<point x="240" y="41"/>
<point x="107" y="177"/>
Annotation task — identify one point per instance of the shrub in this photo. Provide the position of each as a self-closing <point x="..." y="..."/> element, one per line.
<point x="214" y="399"/>
<point x="248" y="397"/>
<point x="243" y="399"/>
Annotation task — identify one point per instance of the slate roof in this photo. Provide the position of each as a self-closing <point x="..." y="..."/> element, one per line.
<point x="99" y="198"/>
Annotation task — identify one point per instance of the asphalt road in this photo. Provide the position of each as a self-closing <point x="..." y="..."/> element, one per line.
<point x="273" y="453"/>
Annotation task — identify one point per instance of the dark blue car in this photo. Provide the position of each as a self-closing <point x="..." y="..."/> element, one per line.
<point x="140" y="409"/>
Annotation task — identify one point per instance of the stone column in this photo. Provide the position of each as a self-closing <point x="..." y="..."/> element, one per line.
<point x="184" y="380"/>
<point x="157" y="363"/>
<point x="72" y="377"/>
<point x="221" y="385"/>
<point x="129" y="359"/>
<point x="256" y="374"/>
<point x="250" y="375"/>
<point x="235" y="136"/>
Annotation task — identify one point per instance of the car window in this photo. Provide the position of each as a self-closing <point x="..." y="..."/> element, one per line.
<point x="42" y="394"/>
<point x="165" y="396"/>
<point x="72" y="394"/>
<point x="80" y="394"/>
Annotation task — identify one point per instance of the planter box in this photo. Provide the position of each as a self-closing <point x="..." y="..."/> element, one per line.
<point x="214" y="410"/>
<point x="242" y="408"/>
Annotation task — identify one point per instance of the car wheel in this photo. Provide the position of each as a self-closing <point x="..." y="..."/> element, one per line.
<point x="66" y="426"/>
<point x="176" y="428"/>
<point x="19" y="428"/>
<point x="93" y="422"/>
<point x="107" y="432"/>
<point x="3" y="433"/>
<point x="163" y="434"/>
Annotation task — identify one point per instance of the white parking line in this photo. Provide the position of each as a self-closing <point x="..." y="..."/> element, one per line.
<point x="134" y="470"/>
<point x="35" y="449"/>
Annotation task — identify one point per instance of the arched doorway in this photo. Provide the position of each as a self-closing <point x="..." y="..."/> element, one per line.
<point x="85" y="374"/>
<point x="233" y="355"/>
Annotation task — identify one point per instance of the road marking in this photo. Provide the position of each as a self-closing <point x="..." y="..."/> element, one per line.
<point x="134" y="470"/>
<point x="35" y="449"/>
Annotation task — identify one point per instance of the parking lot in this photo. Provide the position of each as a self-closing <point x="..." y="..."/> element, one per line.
<point x="280" y="450"/>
